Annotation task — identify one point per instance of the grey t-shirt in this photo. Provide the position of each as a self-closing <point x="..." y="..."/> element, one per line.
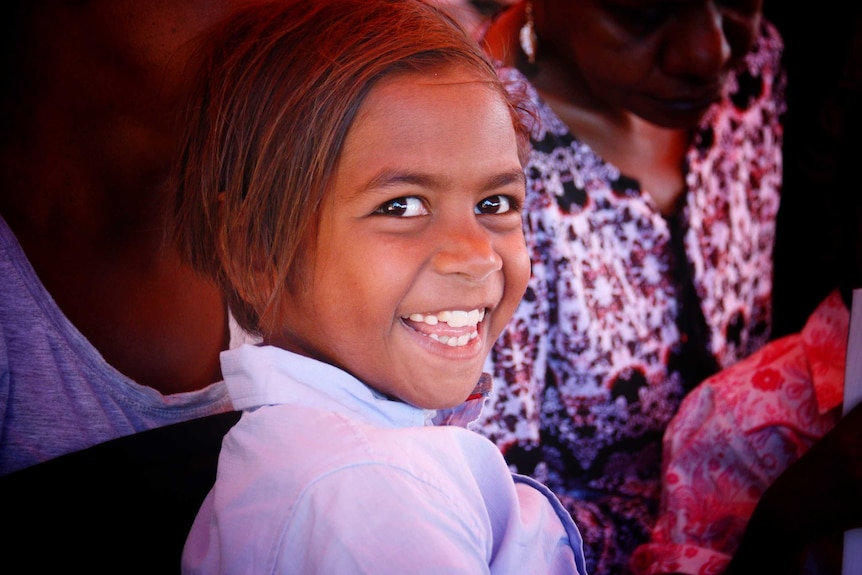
<point x="57" y="393"/>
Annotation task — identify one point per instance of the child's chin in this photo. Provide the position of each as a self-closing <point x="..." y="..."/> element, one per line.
<point x="447" y="401"/>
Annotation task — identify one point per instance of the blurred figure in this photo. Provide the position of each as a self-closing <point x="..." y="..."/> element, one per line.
<point x="103" y="331"/>
<point x="761" y="471"/>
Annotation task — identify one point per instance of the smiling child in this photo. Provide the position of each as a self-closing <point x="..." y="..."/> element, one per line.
<point x="352" y="180"/>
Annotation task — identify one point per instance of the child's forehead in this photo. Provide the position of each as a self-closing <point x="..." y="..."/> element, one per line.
<point x="441" y="128"/>
<point x="420" y="99"/>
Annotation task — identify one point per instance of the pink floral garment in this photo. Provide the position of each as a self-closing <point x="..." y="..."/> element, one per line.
<point x="584" y="375"/>
<point x="735" y="434"/>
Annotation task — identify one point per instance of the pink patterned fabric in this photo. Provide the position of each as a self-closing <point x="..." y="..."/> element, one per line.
<point x="735" y="434"/>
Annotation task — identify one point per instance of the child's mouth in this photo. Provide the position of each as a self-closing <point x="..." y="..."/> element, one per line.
<point x="455" y="328"/>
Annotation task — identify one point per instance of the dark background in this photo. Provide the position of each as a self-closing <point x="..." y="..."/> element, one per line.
<point x="820" y="181"/>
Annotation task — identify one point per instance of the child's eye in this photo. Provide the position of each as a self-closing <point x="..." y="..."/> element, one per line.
<point x="498" y="204"/>
<point x="406" y="207"/>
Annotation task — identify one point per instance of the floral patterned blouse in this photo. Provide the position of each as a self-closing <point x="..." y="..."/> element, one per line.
<point x="735" y="434"/>
<point x="588" y="373"/>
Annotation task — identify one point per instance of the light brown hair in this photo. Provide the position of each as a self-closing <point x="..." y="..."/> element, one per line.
<point x="266" y="126"/>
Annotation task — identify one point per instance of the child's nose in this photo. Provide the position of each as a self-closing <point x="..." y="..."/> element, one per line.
<point x="467" y="249"/>
<point x="697" y="46"/>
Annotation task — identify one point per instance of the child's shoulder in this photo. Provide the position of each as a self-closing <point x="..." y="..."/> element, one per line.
<point x="296" y="446"/>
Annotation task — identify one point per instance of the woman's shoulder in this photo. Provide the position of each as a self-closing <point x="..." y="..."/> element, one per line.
<point x="761" y="71"/>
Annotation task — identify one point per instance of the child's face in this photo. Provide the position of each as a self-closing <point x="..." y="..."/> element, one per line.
<point x="423" y="222"/>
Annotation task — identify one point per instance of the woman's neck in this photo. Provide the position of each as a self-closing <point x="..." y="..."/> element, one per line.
<point x="651" y="154"/>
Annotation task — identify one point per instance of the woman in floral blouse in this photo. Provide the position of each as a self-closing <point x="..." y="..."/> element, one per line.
<point x="653" y="187"/>
<point x="762" y="467"/>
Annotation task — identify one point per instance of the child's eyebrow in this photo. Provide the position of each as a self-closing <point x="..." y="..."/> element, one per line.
<point x="505" y="179"/>
<point x="393" y="178"/>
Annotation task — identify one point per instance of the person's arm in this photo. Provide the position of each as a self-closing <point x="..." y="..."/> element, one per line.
<point x="706" y="492"/>
<point x="442" y="518"/>
<point x="818" y="495"/>
<point x="732" y="438"/>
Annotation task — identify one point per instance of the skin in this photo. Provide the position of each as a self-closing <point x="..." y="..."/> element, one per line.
<point x="423" y="216"/>
<point x="664" y="62"/>
<point x="631" y="78"/>
<point x="87" y="141"/>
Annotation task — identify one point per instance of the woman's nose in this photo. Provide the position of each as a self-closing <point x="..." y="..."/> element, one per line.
<point x="697" y="46"/>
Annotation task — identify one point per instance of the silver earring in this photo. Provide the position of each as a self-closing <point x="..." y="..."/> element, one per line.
<point x="528" y="34"/>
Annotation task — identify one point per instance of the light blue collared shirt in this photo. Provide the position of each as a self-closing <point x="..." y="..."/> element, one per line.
<point x="323" y="476"/>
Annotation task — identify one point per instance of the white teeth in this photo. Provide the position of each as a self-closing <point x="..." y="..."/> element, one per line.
<point x="459" y="341"/>
<point x="453" y="318"/>
<point x="419" y="318"/>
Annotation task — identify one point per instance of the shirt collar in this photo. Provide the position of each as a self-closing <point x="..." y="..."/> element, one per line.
<point x="257" y="375"/>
